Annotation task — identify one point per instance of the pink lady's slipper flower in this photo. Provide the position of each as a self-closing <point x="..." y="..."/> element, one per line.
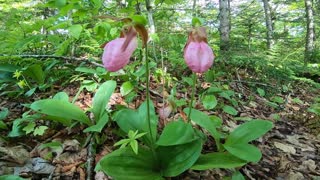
<point x="117" y="52"/>
<point x="197" y="53"/>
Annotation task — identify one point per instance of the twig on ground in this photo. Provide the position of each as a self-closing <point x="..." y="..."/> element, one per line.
<point x="55" y="57"/>
<point x="90" y="159"/>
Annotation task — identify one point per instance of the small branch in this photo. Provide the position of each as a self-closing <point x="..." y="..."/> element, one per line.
<point x="54" y="57"/>
<point x="90" y="160"/>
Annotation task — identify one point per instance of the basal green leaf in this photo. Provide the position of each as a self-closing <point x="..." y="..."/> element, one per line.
<point x="237" y="176"/>
<point x="102" y="98"/>
<point x="3" y="125"/>
<point x="11" y="177"/>
<point x="261" y="92"/>
<point x="124" y="164"/>
<point x="206" y="122"/>
<point x="36" y="73"/>
<point x="100" y="125"/>
<point x="61" y="109"/>
<point x="126" y="88"/>
<point x="86" y="70"/>
<point x="246" y="152"/>
<point x="4" y="113"/>
<point x="6" y="67"/>
<point x="217" y="160"/>
<point x="230" y="110"/>
<point x="128" y="119"/>
<point x="175" y="133"/>
<point x="209" y="102"/>
<point x="249" y="131"/>
<point x="30" y="92"/>
<point x="175" y="160"/>
<point x="61" y="96"/>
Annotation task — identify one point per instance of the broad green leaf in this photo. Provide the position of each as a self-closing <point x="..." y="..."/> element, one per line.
<point x="153" y="120"/>
<point x="30" y="127"/>
<point x="128" y="119"/>
<point x="188" y="80"/>
<point x="8" y="67"/>
<point x="39" y="130"/>
<point x="52" y="145"/>
<point x="86" y="70"/>
<point x="138" y="19"/>
<point x="277" y="99"/>
<point x="126" y="88"/>
<point x="36" y="73"/>
<point x="174" y="160"/>
<point x="230" y="110"/>
<point x="30" y="92"/>
<point x="227" y="94"/>
<point x="175" y="133"/>
<point x="237" y="176"/>
<point x="62" y="120"/>
<point x="101" y="99"/>
<point x="248" y="131"/>
<point x="206" y="122"/>
<point x="124" y="164"/>
<point x="261" y="92"/>
<point x="61" y="96"/>
<point x="100" y="125"/>
<point x="90" y="85"/>
<point x="3" y="125"/>
<point x="246" y="152"/>
<point x="11" y="177"/>
<point x="297" y="101"/>
<point x="17" y="128"/>
<point x="75" y="30"/>
<point x="61" y="109"/>
<point x="217" y="160"/>
<point x="4" y="113"/>
<point x="18" y="124"/>
<point x="209" y="102"/>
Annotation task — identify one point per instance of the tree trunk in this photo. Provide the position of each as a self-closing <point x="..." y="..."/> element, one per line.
<point x="267" y="13"/>
<point x="224" y="16"/>
<point x="310" y="36"/>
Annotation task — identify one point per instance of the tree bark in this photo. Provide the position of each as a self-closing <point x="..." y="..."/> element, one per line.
<point x="224" y="16"/>
<point x="310" y="36"/>
<point x="269" y="27"/>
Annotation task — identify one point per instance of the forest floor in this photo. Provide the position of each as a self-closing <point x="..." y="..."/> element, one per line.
<point x="290" y="151"/>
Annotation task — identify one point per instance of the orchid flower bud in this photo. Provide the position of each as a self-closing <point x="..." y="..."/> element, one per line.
<point x="197" y="53"/>
<point x="117" y="52"/>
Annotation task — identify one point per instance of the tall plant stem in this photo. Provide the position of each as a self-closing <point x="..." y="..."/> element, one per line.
<point x="148" y="95"/>
<point x="192" y="95"/>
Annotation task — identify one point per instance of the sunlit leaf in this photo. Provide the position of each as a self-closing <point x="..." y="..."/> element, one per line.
<point x="59" y="108"/>
<point x="217" y="160"/>
<point x="75" y="30"/>
<point x="125" y="164"/>
<point x="175" y="133"/>
<point x="101" y="98"/>
<point x="230" y="110"/>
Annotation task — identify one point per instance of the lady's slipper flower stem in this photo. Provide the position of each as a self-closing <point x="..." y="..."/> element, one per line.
<point x="192" y="95"/>
<point x="148" y="93"/>
<point x="152" y="146"/>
